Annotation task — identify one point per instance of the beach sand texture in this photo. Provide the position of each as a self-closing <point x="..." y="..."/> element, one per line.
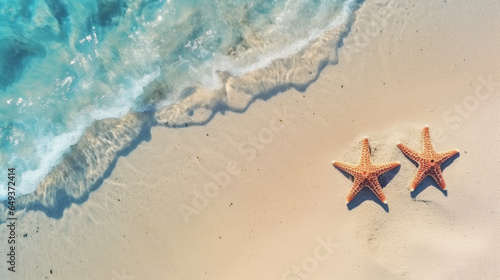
<point x="254" y="195"/>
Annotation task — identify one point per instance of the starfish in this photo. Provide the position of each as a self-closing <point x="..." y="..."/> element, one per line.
<point x="429" y="161"/>
<point x="366" y="173"/>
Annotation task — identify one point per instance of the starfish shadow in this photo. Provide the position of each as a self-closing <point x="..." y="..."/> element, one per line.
<point x="429" y="181"/>
<point x="426" y="182"/>
<point x="366" y="193"/>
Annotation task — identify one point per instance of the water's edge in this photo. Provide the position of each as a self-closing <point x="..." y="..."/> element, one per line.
<point x="84" y="168"/>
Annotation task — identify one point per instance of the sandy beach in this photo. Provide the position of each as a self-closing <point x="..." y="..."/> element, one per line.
<point x="254" y="195"/>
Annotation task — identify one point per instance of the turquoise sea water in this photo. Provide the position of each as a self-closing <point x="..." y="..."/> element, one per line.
<point x="65" y="64"/>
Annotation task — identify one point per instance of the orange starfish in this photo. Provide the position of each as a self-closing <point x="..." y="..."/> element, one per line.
<point x="366" y="173"/>
<point x="429" y="161"/>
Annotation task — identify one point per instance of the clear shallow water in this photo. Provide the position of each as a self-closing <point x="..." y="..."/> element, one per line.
<point x="65" y="64"/>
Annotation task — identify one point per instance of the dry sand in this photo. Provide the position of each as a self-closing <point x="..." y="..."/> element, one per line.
<point x="275" y="207"/>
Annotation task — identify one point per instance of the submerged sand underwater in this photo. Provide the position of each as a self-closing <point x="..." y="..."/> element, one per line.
<point x="254" y="195"/>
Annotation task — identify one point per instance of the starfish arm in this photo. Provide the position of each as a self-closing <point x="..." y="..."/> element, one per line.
<point x="414" y="155"/>
<point x="380" y="169"/>
<point x="421" y="174"/>
<point x="356" y="187"/>
<point x="426" y="136"/>
<point x="365" y="152"/>
<point x="438" y="176"/>
<point x="446" y="155"/>
<point x="377" y="189"/>
<point x="347" y="167"/>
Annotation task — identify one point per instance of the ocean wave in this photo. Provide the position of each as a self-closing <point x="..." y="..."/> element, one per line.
<point x="183" y="92"/>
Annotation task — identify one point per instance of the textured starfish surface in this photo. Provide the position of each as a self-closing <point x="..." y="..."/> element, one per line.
<point x="429" y="161"/>
<point x="365" y="173"/>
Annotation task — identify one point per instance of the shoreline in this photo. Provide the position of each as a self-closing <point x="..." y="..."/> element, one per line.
<point x="281" y="214"/>
<point x="90" y="161"/>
